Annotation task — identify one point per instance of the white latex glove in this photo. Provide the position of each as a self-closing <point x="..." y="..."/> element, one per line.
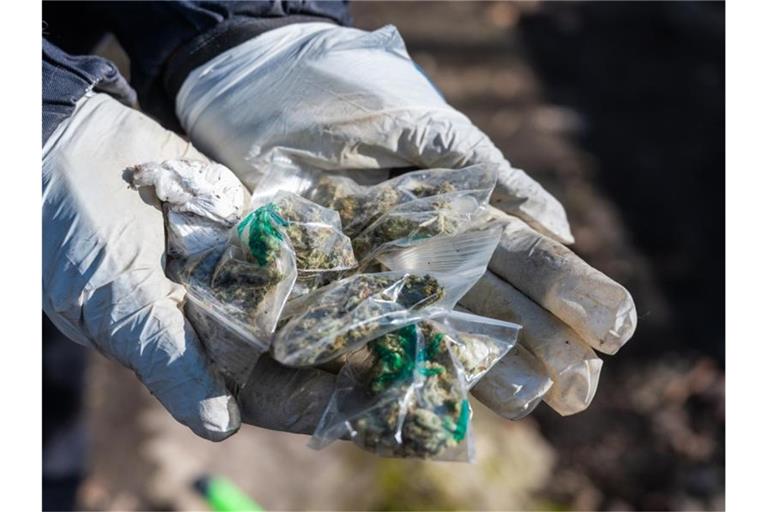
<point x="104" y="285"/>
<point x="334" y="98"/>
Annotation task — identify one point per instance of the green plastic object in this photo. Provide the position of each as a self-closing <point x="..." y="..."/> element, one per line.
<point x="398" y="365"/>
<point x="461" y="426"/>
<point x="398" y="359"/>
<point x="224" y="496"/>
<point x="263" y="225"/>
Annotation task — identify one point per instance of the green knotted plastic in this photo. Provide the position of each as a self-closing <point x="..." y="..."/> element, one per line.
<point x="263" y="231"/>
<point x="434" y="345"/>
<point x="397" y="365"/>
<point x="432" y="351"/>
<point x="460" y="430"/>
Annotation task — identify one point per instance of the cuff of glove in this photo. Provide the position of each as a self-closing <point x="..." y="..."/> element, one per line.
<point x="220" y="39"/>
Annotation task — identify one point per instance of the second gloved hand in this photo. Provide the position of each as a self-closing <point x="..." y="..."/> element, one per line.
<point x="331" y="98"/>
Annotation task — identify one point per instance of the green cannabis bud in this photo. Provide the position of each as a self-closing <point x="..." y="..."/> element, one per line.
<point x="348" y="313"/>
<point x="359" y="206"/>
<point x="422" y="404"/>
<point x="318" y="243"/>
<point x="405" y="228"/>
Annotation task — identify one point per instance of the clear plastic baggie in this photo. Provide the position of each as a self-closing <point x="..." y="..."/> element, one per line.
<point x="415" y="221"/>
<point x="341" y="317"/>
<point x="402" y="396"/>
<point x="359" y="205"/>
<point x="322" y="250"/>
<point x="405" y="393"/>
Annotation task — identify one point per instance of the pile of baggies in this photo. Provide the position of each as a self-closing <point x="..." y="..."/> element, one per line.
<point x="321" y="271"/>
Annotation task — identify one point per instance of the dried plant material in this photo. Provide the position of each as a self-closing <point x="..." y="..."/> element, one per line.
<point x="244" y="284"/>
<point x="323" y="252"/>
<point x="405" y="228"/>
<point x="403" y="396"/>
<point x="360" y="205"/>
<point x="344" y="315"/>
<point x="315" y="235"/>
<point x="477" y="342"/>
<point x="355" y="210"/>
<point x="405" y="393"/>
<point x="416" y="221"/>
<point x="476" y="353"/>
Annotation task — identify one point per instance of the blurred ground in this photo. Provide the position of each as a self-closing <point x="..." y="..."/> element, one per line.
<point x="618" y="109"/>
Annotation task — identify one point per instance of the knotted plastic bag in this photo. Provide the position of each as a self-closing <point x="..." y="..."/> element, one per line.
<point x="405" y="393"/>
<point x="238" y="271"/>
<point x="404" y="396"/>
<point x="344" y="315"/>
<point x="323" y="252"/>
<point x="237" y="290"/>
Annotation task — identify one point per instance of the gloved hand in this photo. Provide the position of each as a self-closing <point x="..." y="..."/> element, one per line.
<point x="333" y="98"/>
<point x="104" y="285"/>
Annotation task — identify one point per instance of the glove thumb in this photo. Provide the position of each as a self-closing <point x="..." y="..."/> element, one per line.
<point x="146" y="331"/>
<point x="169" y="359"/>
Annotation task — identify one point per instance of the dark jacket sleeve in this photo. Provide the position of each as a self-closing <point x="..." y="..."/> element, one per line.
<point x="67" y="78"/>
<point x="165" y="41"/>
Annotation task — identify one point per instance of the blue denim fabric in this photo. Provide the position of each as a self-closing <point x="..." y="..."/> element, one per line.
<point x="151" y="33"/>
<point x="67" y="78"/>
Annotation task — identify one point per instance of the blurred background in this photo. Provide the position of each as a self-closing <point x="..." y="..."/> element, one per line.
<point x="619" y="110"/>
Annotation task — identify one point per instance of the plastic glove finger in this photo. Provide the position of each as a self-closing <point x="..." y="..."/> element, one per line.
<point x="599" y="309"/>
<point x="515" y="385"/>
<point x="449" y="139"/>
<point x="148" y="333"/>
<point x="573" y="367"/>
<point x="285" y="399"/>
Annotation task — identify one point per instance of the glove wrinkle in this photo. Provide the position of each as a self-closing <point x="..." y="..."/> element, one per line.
<point x="103" y="251"/>
<point x="568" y="361"/>
<point x="286" y="399"/>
